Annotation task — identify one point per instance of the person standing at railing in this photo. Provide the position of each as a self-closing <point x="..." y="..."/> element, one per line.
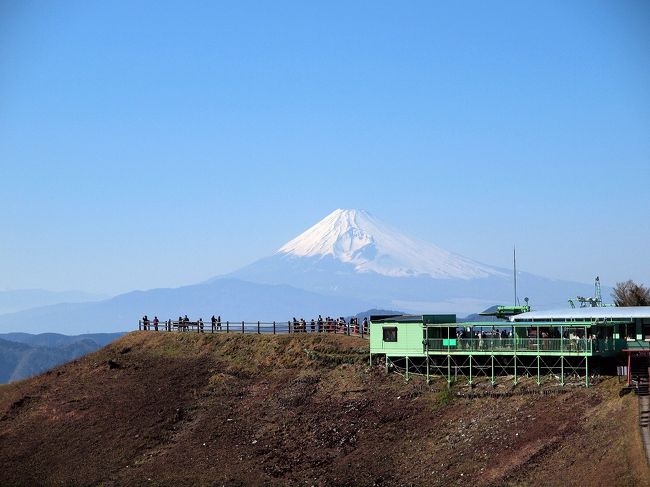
<point x="145" y="322"/>
<point x="320" y="324"/>
<point x="312" y="325"/>
<point x="155" y="323"/>
<point x="199" y="325"/>
<point x="213" y="322"/>
<point x="219" y="322"/>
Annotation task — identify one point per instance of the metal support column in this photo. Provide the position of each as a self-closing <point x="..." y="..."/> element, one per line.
<point x="629" y="370"/>
<point x="470" y="369"/>
<point x="427" y="359"/>
<point x="407" y="369"/>
<point x="492" y="360"/>
<point x="586" y="371"/>
<point x="448" y="370"/>
<point x="562" y="370"/>
<point x="538" y="369"/>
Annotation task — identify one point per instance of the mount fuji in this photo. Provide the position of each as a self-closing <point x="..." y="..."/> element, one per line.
<point x="351" y="253"/>
<point x="347" y="262"/>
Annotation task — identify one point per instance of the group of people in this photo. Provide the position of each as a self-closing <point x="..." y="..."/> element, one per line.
<point x="330" y="325"/>
<point x="488" y="339"/>
<point x="183" y="324"/>
<point x="483" y="337"/>
<point x="318" y="325"/>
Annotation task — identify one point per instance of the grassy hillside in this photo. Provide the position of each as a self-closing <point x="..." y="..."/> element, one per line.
<point x="172" y="409"/>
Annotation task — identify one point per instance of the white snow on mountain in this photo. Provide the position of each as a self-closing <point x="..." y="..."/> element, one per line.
<point x="358" y="238"/>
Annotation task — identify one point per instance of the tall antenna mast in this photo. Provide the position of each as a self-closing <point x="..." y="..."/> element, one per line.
<point x="514" y="258"/>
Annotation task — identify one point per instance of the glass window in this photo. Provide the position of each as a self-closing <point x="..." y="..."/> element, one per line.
<point x="646" y="332"/>
<point x="629" y="331"/>
<point x="390" y="334"/>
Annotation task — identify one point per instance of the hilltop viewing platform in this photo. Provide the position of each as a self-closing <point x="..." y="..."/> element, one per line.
<point x="328" y="325"/>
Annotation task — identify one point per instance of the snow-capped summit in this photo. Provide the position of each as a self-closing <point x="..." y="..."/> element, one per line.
<point x="356" y="237"/>
<point x="352" y="254"/>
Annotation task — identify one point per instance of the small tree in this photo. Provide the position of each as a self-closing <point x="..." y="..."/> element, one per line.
<point x="629" y="293"/>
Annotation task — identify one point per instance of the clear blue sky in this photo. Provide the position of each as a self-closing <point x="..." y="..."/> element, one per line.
<point x="149" y="144"/>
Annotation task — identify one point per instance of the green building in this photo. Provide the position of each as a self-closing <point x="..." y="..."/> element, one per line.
<point x="568" y="344"/>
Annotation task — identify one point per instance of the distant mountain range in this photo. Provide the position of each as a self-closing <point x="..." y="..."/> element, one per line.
<point x="348" y="261"/>
<point x="232" y="299"/>
<point x="21" y="299"/>
<point x="23" y="355"/>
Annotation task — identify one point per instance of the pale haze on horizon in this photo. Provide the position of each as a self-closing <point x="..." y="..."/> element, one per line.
<point x="147" y="144"/>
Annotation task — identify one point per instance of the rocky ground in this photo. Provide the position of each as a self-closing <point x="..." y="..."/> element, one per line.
<point x="185" y="409"/>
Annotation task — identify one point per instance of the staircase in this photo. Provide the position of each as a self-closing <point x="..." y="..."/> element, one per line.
<point x="640" y="368"/>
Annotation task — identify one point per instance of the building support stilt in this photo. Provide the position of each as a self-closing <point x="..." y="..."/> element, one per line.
<point x="428" y="379"/>
<point x="492" y="363"/>
<point x="562" y="370"/>
<point x="448" y="370"/>
<point x="407" y="369"/>
<point x="538" y="378"/>
<point x="470" y="370"/>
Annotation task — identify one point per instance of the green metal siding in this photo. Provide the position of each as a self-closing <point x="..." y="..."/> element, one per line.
<point x="409" y="339"/>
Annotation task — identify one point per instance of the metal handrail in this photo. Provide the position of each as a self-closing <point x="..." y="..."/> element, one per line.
<point x="494" y="344"/>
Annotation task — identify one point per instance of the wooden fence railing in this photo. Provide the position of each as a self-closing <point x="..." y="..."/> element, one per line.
<point x="255" y="327"/>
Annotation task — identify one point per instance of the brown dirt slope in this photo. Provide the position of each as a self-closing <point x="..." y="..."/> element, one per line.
<point x="181" y="409"/>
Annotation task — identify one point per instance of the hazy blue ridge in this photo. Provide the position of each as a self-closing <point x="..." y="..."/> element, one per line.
<point x="232" y="299"/>
<point x="54" y="340"/>
<point x="27" y="356"/>
<point x="21" y="299"/>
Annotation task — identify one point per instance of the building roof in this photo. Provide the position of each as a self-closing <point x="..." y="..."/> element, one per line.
<point x="595" y="313"/>
<point x="424" y="319"/>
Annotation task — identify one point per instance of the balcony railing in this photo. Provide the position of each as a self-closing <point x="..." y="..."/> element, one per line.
<point x="566" y="345"/>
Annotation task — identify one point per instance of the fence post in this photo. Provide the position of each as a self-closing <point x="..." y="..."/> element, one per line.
<point x="258" y="327"/>
<point x="139" y="325"/>
<point x="242" y="326"/>
<point x="288" y="327"/>
<point x="274" y="327"/>
<point x="363" y="328"/>
<point x="227" y="326"/>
